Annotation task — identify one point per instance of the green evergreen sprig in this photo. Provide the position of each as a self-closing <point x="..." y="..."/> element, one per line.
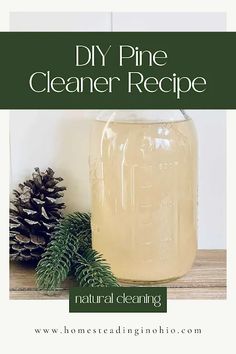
<point x="92" y="270"/>
<point x="71" y="251"/>
<point x="71" y="233"/>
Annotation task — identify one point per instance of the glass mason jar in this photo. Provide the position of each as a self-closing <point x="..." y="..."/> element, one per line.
<point x="143" y="174"/>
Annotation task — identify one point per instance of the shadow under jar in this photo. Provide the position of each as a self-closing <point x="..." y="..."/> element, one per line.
<point x="143" y="174"/>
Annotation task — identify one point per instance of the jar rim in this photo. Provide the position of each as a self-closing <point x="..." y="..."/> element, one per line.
<point x="142" y="116"/>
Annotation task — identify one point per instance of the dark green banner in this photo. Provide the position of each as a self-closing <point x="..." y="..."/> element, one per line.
<point x="118" y="70"/>
<point x="132" y="299"/>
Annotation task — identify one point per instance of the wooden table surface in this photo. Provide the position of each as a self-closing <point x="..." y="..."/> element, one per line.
<point x="206" y="280"/>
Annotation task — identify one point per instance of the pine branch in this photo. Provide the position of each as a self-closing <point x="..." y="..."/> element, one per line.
<point x="92" y="270"/>
<point x="71" y="250"/>
<point x="79" y="224"/>
<point x="71" y="235"/>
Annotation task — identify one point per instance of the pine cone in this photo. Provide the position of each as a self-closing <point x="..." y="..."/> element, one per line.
<point x="34" y="213"/>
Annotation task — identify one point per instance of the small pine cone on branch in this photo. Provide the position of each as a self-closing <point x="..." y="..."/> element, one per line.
<point x="35" y="211"/>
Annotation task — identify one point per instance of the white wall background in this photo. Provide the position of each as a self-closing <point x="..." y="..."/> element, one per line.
<point x="60" y="139"/>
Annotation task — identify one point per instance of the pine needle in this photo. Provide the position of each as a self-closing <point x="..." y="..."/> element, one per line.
<point x="71" y="251"/>
<point x="92" y="270"/>
<point x="72" y="233"/>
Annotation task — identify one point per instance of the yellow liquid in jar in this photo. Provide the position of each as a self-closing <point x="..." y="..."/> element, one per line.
<point x="144" y="198"/>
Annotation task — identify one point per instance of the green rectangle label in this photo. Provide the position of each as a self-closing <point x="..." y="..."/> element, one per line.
<point x="118" y="70"/>
<point x="121" y="299"/>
